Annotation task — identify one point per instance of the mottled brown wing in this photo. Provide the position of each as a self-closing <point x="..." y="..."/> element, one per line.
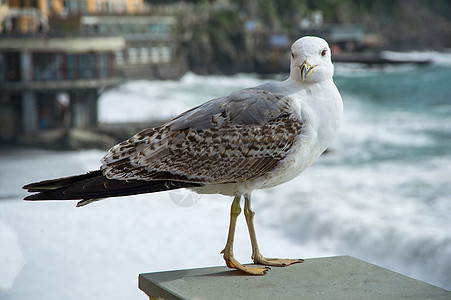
<point x="224" y="140"/>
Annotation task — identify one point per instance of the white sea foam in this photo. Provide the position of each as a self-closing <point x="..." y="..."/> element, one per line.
<point x="140" y="101"/>
<point x="440" y="58"/>
<point x="11" y="258"/>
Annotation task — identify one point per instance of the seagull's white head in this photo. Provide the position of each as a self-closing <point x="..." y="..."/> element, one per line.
<point x="310" y="60"/>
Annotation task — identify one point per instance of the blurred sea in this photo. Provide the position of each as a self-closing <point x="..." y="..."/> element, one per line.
<point x="382" y="193"/>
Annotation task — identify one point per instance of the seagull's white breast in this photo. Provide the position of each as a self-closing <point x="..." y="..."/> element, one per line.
<point x="319" y="108"/>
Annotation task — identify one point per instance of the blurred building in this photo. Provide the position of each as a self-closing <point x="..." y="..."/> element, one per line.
<point x="57" y="56"/>
<point x="53" y="83"/>
<point x="152" y="47"/>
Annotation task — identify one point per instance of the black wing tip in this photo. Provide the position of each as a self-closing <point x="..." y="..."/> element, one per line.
<point x="94" y="186"/>
<point x="28" y="186"/>
<point x="39" y="196"/>
<point x="42" y="196"/>
<point x="34" y="187"/>
<point x="32" y="197"/>
<point x="31" y="189"/>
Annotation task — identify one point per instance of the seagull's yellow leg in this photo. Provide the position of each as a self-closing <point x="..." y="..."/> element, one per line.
<point x="231" y="262"/>
<point x="256" y="255"/>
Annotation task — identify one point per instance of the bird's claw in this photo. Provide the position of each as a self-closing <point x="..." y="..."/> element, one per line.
<point x="275" y="262"/>
<point x="232" y="263"/>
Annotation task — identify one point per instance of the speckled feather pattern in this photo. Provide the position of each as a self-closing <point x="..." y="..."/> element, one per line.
<point x="230" y="139"/>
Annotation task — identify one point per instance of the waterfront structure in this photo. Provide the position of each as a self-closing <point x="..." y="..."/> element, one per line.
<point x="53" y="83"/>
<point x="57" y="56"/>
<point x="152" y="47"/>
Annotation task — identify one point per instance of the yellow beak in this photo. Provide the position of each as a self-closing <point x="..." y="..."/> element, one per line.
<point x="306" y="69"/>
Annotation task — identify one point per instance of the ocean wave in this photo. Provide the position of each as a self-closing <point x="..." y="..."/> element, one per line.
<point x="439" y="58"/>
<point x="365" y="218"/>
<point x="142" y="100"/>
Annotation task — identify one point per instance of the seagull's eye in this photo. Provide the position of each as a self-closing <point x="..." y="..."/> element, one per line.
<point x="323" y="53"/>
<point x="292" y="54"/>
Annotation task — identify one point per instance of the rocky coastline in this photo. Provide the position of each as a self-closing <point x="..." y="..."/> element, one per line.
<point x="225" y="43"/>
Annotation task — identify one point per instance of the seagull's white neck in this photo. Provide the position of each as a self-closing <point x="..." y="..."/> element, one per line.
<point x="291" y="86"/>
<point x="288" y="86"/>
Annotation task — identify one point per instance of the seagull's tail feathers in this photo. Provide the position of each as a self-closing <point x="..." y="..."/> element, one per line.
<point x="95" y="186"/>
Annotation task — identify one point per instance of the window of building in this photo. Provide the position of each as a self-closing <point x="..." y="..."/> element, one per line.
<point x="132" y="55"/>
<point x="48" y="66"/>
<point x="25" y="3"/>
<point x="71" y="6"/>
<point x="119" y="57"/>
<point x="71" y="66"/>
<point x="116" y="28"/>
<point x="83" y="7"/>
<point x="74" y="7"/>
<point x="165" y="30"/>
<point x="12" y="66"/>
<point x="166" y="55"/>
<point x="103" y="5"/>
<point x="126" y="28"/>
<point x="110" y="6"/>
<point x="87" y="65"/>
<point x="2" y="69"/>
<point x="137" y="6"/>
<point x="153" y="28"/>
<point x="144" y="53"/>
<point x="154" y="54"/>
<point x="103" y="28"/>
<point x="103" y="66"/>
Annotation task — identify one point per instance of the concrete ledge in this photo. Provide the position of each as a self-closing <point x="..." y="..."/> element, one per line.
<point x="340" y="277"/>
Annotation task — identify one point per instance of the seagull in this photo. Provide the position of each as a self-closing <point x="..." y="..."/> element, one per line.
<point x="254" y="138"/>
